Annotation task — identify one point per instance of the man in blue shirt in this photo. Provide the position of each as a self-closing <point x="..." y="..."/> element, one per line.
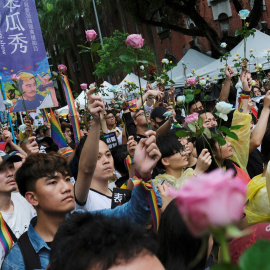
<point x="33" y="100"/>
<point x="44" y="180"/>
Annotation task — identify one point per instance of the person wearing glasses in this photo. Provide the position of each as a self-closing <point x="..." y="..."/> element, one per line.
<point x="112" y="126"/>
<point x="174" y="161"/>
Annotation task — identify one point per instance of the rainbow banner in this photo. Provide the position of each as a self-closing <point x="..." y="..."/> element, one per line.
<point x="45" y="115"/>
<point x="56" y="132"/>
<point x="5" y="238"/>
<point x="67" y="153"/>
<point x="72" y="109"/>
<point x="151" y="197"/>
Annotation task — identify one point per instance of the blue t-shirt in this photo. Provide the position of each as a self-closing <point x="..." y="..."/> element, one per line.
<point x="30" y="105"/>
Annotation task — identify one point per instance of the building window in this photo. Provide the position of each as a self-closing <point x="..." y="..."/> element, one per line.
<point x="224" y="24"/>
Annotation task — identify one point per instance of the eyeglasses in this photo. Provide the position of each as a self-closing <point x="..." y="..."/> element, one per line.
<point x="141" y="114"/>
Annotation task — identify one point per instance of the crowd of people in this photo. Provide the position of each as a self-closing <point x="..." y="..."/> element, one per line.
<point x="93" y="206"/>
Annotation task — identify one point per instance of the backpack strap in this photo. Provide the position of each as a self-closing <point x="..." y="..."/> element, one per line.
<point x="30" y="257"/>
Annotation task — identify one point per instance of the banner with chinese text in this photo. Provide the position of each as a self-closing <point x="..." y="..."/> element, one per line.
<point x="22" y="52"/>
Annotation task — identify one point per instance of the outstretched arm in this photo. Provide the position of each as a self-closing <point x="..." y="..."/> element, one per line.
<point x="225" y="91"/>
<point x="260" y="129"/>
<point x="87" y="162"/>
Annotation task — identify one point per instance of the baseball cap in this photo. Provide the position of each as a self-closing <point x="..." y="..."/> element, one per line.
<point x="6" y="157"/>
<point x="239" y="245"/>
<point x="158" y="112"/>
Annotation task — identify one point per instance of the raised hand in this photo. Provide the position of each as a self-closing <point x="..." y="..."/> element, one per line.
<point x="31" y="146"/>
<point x="95" y="105"/>
<point x="131" y="146"/>
<point x="229" y="72"/>
<point x="146" y="154"/>
<point x="203" y="162"/>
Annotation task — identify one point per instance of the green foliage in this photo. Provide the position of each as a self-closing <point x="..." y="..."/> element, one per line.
<point x="115" y="52"/>
<point x="256" y="257"/>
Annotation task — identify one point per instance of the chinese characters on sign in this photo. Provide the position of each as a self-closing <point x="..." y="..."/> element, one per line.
<point x="111" y="140"/>
<point x="22" y="52"/>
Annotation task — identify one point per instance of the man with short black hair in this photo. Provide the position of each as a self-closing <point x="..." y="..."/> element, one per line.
<point x="156" y="118"/>
<point x="83" y="236"/>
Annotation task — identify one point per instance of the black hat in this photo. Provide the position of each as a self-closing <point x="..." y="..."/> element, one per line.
<point x="158" y="112"/>
<point x="6" y="157"/>
<point x="48" y="140"/>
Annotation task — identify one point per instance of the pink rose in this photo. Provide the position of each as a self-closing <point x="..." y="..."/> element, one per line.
<point x="211" y="200"/>
<point x="62" y="68"/>
<point x="83" y="86"/>
<point x="135" y="41"/>
<point x="14" y="77"/>
<point x="191" y="118"/>
<point x="90" y="35"/>
<point x="192" y="81"/>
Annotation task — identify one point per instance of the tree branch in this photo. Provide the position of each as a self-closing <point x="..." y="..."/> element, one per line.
<point x="256" y="13"/>
<point x="185" y="31"/>
<point x="238" y="6"/>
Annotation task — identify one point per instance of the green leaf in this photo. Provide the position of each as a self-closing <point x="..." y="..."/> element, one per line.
<point x="255" y="257"/>
<point x="226" y="266"/>
<point x="182" y="133"/>
<point x="127" y="58"/>
<point x="82" y="46"/>
<point x="200" y="121"/>
<point x="207" y="132"/>
<point x="189" y="98"/>
<point x="192" y="127"/>
<point x="95" y="47"/>
<point x="199" y="132"/>
<point x="83" y="51"/>
<point x="236" y="127"/>
<point x="197" y="91"/>
<point x="220" y="140"/>
<point x="233" y="136"/>
<point x="238" y="32"/>
<point x="188" y="91"/>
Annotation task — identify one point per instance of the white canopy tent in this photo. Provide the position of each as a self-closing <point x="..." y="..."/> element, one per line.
<point x="259" y="44"/>
<point x="132" y="78"/>
<point x="193" y="60"/>
<point x="107" y="97"/>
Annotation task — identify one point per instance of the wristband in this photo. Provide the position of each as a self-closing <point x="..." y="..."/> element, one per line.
<point x="246" y="93"/>
<point x="145" y="179"/>
<point x="128" y="161"/>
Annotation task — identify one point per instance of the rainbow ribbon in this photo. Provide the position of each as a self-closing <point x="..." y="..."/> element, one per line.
<point x="56" y="132"/>
<point x="13" y="153"/>
<point x="133" y="107"/>
<point x="5" y="237"/>
<point x="128" y="161"/>
<point x="67" y="152"/>
<point x="45" y="115"/>
<point x="151" y="198"/>
<point x="72" y="109"/>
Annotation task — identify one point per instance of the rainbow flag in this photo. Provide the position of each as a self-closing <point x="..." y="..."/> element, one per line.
<point x="45" y="115"/>
<point x="72" y="109"/>
<point x="151" y="197"/>
<point x="5" y="238"/>
<point x="56" y="132"/>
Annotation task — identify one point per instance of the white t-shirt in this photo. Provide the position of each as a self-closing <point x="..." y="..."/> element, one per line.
<point x="95" y="201"/>
<point x="20" y="218"/>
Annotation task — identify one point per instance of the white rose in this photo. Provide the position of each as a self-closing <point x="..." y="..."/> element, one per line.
<point x="239" y="85"/>
<point x="180" y="99"/>
<point x="253" y="83"/>
<point x="223" y="45"/>
<point x="259" y="66"/>
<point x="202" y="82"/>
<point x="223" y="109"/>
<point x="236" y="58"/>
<point x="165" y="61"/>
<point x="142" y="67"/>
